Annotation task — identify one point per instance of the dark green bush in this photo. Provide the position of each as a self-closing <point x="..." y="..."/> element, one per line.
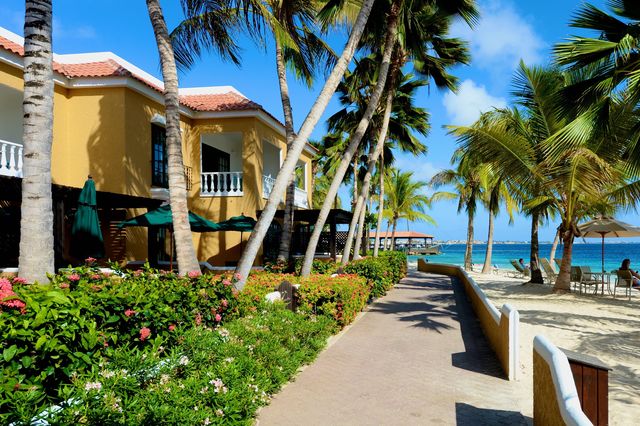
<point x="396" y="263"/>
<point x="318" y="266"/>
<point x="382" y="272"/>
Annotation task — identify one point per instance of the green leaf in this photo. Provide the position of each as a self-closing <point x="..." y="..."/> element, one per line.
<point x="26" y="361"/>
<point x="9" y="352"/>
<point x="41" y="341"/>
<point x="56" y="296"/>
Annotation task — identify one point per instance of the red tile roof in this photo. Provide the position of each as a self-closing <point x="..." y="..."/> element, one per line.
<point x="401" y="234"/>
<point x="229" y="101"/>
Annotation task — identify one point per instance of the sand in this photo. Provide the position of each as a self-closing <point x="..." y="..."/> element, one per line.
<point x="601" y="326"/>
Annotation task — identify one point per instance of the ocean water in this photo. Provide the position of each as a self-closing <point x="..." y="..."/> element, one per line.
<point x="584" y="254"/>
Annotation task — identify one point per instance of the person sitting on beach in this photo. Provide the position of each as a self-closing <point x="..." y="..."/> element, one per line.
<point x="524" y="265"/>
<point x="626" y="266"/>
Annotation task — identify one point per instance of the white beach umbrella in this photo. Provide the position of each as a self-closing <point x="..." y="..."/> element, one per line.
<point x="607" y="228"/>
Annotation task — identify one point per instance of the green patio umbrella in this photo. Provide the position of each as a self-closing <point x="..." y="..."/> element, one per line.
<point x="240" y="223"/>
<point x="161" y="218"/>
<point x="86" y="236"/>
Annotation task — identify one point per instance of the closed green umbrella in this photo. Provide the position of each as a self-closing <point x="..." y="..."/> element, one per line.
<point x="161" y="218"/>
<point x="240" y="223"/>
<point x="86" y="236"/>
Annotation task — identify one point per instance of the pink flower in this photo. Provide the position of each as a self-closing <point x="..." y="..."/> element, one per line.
<point x="96" y="288"/>
<point x="218" y="318"/>
<point x="172" y="327"/>
<point x="225" y="303"/>
<point x="198" y="318"/>
<point x="64" y="285"/>
<point x="90" y="260"/>
<point x="5" y="285"/>
<point x="144" y="334"/>
<point x="226" y="283"/>
<point x="237" y="276"/>
<point x="137" y="272"/>
<point x="96" y="277"/>
<point x="19" y="280"/>
<point x="194" y="274"/>
<point x="74" y="277"/>
<point x="6" y="292"/>
<point x="106" y="274"/>
<point x="129" y="312"/>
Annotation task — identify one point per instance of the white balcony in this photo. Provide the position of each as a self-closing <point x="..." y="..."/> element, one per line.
<point x="10" y="159"/>
<point x="300" y="199"/>
<point x="221" y="184"/>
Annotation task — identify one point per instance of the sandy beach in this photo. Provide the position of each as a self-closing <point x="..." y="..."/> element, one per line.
<point x="600" y="326"/>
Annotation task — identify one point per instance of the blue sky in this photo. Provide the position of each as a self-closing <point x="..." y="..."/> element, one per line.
<point x="508" y="31"/>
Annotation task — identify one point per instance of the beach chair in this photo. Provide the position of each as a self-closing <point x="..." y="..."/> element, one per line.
<point x="548" y="270"/>
<point x="624" y="279"/>
<point x="588" y="278"/>
<point x="518" y="267"/>
<point x="557" y="261"/>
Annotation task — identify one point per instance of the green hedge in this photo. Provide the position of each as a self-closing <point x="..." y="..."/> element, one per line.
<point x="219" y="376"/>
<point x="382" y="272"/>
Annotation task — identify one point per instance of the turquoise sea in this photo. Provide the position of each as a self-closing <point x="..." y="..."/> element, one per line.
<point x="584" y="254"/>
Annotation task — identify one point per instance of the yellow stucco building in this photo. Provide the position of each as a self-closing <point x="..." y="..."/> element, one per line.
<point x="109" y="124"/>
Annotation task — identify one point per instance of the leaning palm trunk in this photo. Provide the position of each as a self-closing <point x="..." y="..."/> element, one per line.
<point x="536" y="272"/>
<point x="36" y="224"/>
<point x="386" y="235"/>
<point x="468" y="252"/>
<point x="356" y="138"/>
<point x="288" y="167"/>
<point x="382" y="137"/>
<point x="376" y="243"/>
<point x="393" y="234"/>
<point x="563" y="282"/>
<point x="287" y="226"/>
<point x="185" y="253"/>
<point x="554" y="247"/>
<point x="486" y="268"/>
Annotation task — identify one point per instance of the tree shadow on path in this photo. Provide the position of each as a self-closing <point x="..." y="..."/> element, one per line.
<point x="467" y="414"/>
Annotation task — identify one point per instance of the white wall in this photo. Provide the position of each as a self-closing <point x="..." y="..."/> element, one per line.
<point x="10" y="114"/>
<point x="271" y="159"/>
<point x="231" y="143"/>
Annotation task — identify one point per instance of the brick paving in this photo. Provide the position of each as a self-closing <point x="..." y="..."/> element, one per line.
<point x="417" y="357"/>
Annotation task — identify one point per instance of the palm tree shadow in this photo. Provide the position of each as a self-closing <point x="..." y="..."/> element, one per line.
<point x="467" y="414"/>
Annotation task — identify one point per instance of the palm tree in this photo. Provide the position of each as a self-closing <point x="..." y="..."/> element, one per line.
<point x="36" y="224"/>
<point x="612" y="55"/>
<point x="495" y="193"/>
<point x="405" y="199"/>
<point x="421" y="30"/>
<point x="466" y="180"/>
<point x="293" y="154"/>
<point x="185" y="252"/>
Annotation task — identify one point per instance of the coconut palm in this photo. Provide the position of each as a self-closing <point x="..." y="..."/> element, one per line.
<point x="185" y="252"/>
<point x="466" y="180"/>
<point x="293" y="154"/>
<point x="36" y="224"/>
<point x="405" y="199"/>
<point x="495" y="194"/>
<point x="418" y="22"/>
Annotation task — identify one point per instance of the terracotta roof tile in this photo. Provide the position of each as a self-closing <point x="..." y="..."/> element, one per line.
<point x="229" y="101"/>
<point x="401" y="234"/>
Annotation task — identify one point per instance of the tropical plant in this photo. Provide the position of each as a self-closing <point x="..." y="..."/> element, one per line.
<point x="293" y="154"/>
<point x="405" y="199"/>
<point x="185" y="252"/>
<point x="495" y="194"/>
<point x="36" y="223"/>
<point x="468" y="190"/>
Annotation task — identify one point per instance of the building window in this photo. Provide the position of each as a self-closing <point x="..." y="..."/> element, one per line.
<point x="159" y="173"/>
<point x="215" y="160"/>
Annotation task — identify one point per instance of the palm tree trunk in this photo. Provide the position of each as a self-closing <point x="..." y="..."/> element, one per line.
<point x="36" y="223"/>
<point x="354" y="197"/>
<point x="468" y="252"/>
<point x="356" y="138"/>
<point x="287" y="226"/>
<point x="486" y="268"/>
<point x="393" y="234"/>
<point x="563" y="282"/>
<point x="376" y="243"/>
<point x="185" y="253"/>
<point x="288" y="167"/>
<point x="536" y="272"/>
<point x="357" y="247"/>
<point x="554" y="247"/>
<point x="386" y="235"/>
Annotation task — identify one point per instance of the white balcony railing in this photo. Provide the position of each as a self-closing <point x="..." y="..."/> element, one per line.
<point x="10" y="159"/>
<point x="221" y="184"/>
<point x="299" y="200"/>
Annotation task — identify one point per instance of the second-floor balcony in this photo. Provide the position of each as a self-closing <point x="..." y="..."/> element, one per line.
<point x="300" y="199"/>
<point x="10" y="159"/>
<point x="221" y="184"/>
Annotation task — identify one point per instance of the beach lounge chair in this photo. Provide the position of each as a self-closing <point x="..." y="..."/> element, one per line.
<point x="522" y="273"/>
<point x="558" y="262"/>
<point x="548" y="270"/>
<point x="624" y="280"/>
<point x="588" y="278"/>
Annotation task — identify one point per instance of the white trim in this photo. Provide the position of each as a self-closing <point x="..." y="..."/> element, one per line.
<point x="566" y="393"/>
<point x="11" y="36"/>
<point x="158" y="119"/>
<point x="513" y="317"/>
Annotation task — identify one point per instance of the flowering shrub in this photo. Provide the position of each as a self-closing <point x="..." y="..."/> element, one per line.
<point x="211" y="377"/>
<point x="396" y="263"/>
<point x="318" y="266"/>
<point x="382" y="272"/>
<point x="52" y="332"/>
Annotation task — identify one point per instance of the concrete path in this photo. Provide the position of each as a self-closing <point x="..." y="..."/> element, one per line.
<point x="417" y="357"/>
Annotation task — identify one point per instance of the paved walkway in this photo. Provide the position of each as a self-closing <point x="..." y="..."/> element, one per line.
<point x="416" y="357"/>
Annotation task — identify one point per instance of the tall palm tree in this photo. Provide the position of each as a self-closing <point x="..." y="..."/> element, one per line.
<point x="293" y="154"/>
<point x="185" y="252"/>
<point x="405" y="199"/>
<point x="495" y="193"/>
<point x="466" y="181"/>
<point x="417" y="22"/>
<point x="36" y="223"/>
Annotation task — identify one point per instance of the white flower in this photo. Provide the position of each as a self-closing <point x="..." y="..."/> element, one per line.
<point x="93" y="386"/>
<point x="229" y="360"/>
<point x="204" y="390"/>
<point x="207" y="421"/>
<point x="223" y="332"/>
<point x="184" y="360"/>
<point x="219" y="413"/>
<point x="107" y="374"/>
<point x="219" y="386"/>
<point x="164" y="379"/>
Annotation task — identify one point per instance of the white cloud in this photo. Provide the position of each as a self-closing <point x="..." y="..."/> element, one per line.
<point x="502" y="37"/>
<point x="422" y="170"/>
<point x="471" y="99"/>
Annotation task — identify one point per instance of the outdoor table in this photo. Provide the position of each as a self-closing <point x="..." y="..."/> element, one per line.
<point x="605" y="278"/>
